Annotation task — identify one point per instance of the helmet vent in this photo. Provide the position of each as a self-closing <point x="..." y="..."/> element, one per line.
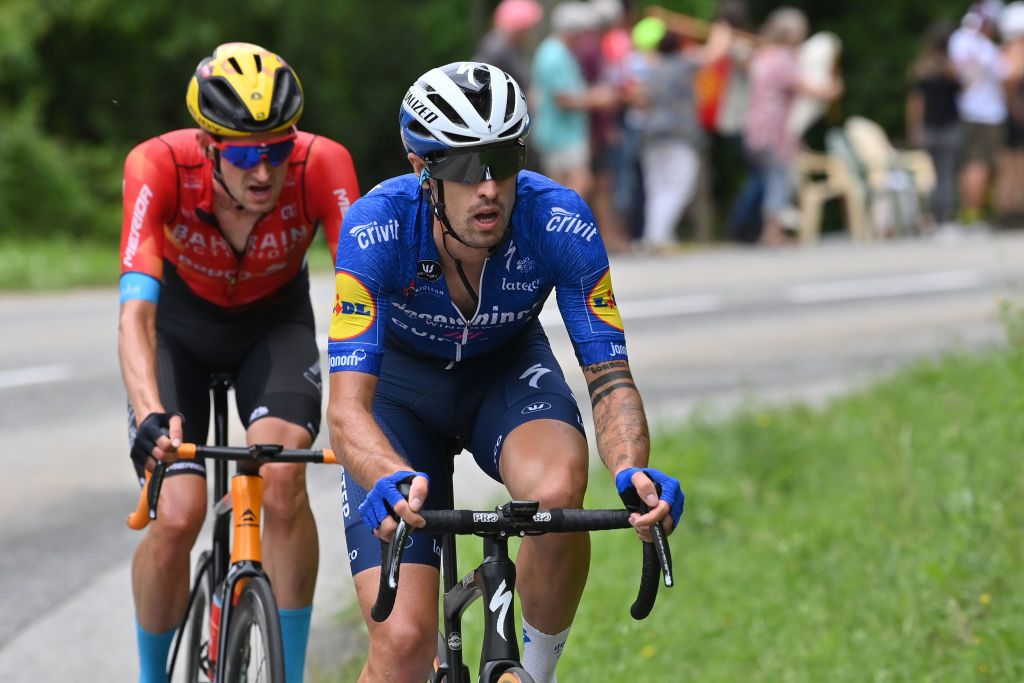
<point x="259" y="63"/>
<point x="446" y="109"/>
<point x="234" y="63"/>
<point x="510" y="102"/>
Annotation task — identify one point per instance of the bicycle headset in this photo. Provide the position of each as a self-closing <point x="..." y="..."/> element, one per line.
<point x="468" y="122"/>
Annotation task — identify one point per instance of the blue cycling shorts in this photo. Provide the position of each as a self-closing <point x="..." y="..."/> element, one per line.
<point x="429" y="414"/>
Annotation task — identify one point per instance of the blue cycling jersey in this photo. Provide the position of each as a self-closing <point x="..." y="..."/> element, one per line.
<point x="389" y="286"/>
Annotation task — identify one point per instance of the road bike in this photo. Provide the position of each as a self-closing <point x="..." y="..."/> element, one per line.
<point x="231" y="630"/>
<point x="494" y="579"/>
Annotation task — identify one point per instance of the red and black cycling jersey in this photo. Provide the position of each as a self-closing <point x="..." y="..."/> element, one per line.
<point x="168" y="217"/>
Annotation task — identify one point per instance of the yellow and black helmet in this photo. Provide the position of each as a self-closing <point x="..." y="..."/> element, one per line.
<point x="242" y="89"/>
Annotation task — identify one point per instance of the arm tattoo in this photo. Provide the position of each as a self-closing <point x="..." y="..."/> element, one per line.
<point x="610" y="377"/>
<point x="597" y="398"/>
<point x="610" y="365"/>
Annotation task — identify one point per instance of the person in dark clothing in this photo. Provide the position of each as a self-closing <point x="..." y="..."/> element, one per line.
<point x="933" y="121"/>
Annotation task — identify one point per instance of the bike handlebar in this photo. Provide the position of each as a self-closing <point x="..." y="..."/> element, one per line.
<point x="145" y="509"/>
<point x="503" y="522"/>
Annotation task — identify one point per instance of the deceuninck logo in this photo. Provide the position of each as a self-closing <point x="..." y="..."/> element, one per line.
<point x="601" y="302"/>
<point x="354" y="311"/>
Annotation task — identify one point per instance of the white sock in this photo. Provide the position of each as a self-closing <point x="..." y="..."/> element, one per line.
<point x="541" y="652"/>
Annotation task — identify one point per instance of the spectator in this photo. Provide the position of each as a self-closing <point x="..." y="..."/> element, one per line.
<point x="982" y="104"/>
<point x="504" y="45"/>
<point x="562" y="131"/>
<point x="932" y="119"/>
<point x="672" y="135"/>
<point x="1010" y="178"/>
<point x="774" y="81"/>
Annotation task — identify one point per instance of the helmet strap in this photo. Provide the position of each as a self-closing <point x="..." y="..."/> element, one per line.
<point x="437" y="206"/>
<point x="219" y="177"/>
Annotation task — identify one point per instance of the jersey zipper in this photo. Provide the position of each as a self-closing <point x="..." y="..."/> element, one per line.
<point x="465" y="329"/>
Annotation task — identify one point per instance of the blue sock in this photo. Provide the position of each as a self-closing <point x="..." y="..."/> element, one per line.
<point x="153" y="649"/>
<point x="294" y="637"/>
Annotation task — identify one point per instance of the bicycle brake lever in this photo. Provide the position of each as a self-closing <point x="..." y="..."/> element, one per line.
<point x="664" y="553"/>
<point x="391" y="563"/>
<point x="155" y="482"/>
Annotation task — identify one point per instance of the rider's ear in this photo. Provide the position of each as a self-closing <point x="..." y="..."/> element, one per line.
<point x="417" y="162"/>
<point x="205" y="143"/>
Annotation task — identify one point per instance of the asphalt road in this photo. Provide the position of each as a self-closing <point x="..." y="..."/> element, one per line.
<point x="710" y="327"/>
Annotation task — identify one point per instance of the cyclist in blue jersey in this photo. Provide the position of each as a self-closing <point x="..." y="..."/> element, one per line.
<point x="435" y="346"/>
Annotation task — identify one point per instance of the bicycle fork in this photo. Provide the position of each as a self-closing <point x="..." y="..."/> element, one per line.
<point x="494" y="581"/>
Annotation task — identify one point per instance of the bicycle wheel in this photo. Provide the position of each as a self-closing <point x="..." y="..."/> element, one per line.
<point x="194" y="657"/>
<point x="514" y="675"/>
<point x="254" y="652"/>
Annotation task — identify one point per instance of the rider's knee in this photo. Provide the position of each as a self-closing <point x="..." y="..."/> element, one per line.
<point x="177" y="527"/>
<point x="284" y="494"/>
<point x="564" y="486"/>
<point x="407" y="640"/>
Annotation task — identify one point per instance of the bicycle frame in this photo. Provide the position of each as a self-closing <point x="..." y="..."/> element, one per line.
<point x="232" y="559"/>
<point x="494" y="580"/>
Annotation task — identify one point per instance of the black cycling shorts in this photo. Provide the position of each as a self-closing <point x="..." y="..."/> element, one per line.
<point x="269" y="349"/>
<point x="428" y="413"/>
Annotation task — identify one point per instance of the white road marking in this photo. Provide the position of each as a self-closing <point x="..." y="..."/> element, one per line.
<point x="38" y="374"/>
<point x="873" y="288"/>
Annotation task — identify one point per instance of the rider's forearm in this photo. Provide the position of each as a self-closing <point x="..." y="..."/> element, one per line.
<point x="361" y="446"/>
<point x="137" y="352"/>
<point x="619" y="419"/>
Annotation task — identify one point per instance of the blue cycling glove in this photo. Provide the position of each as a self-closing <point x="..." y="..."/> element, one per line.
<point x="384" y="495"/>
<point x="668" y="490"/>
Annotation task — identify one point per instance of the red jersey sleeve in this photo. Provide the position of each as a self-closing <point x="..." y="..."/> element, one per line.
<point x="150" y="189"/>
<point x="331" y="187"/>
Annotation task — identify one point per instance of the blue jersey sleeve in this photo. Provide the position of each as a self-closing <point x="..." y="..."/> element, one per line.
<point x="583" y="281"/>
<point x="367" y="262"/>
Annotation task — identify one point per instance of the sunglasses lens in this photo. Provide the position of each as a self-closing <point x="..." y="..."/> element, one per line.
<point x="476" y="166"/>
<point x="248" y="156"/>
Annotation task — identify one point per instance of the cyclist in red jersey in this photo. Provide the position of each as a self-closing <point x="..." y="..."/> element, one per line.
<point x="217" y="221"/>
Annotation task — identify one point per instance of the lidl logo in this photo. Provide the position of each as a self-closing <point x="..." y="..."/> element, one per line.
<point x="601" y="302"/>
<point x="353" y="308"/>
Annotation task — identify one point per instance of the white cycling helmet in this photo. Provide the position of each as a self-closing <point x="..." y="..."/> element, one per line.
<point x="462" y="105"/>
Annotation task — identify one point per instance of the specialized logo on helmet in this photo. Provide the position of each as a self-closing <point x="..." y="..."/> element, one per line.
<point x="601" y="302"/>
<point x="354" y="312"/>
<point x="421" y="109"/>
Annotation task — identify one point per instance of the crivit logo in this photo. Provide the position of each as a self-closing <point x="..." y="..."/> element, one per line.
<point x="531" y="286"/>
<point x="601" y="302"/>
<point x="354" y="311"/>
<point x="490" y="517"/>
<point x="135" y="231"/>
<point x="428" y="270"/>
<point x="349" y="360"/>
<point x="421" y="109"/>
<point x="538" y="407"/>
<point x="369" y="234"/>
<point x="569" y="222"/>
<point x="618" y="349"/>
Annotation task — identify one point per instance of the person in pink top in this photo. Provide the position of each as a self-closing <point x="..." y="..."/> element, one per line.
<point x="774" y="83"/>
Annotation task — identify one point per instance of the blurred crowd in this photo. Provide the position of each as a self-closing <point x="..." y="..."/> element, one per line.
<point x="629" y="111"/>
<point x="670" y="126"/>
<point x="966" y="108"/>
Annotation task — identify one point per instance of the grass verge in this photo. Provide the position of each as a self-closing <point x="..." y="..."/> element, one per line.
<point x="875" y="539"/>
<point x="62" y="263"/>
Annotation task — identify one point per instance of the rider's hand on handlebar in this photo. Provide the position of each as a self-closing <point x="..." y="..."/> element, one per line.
<point x="661" y="493"/>
<point x="386" y="502"/>
<point x="158" y="436"/>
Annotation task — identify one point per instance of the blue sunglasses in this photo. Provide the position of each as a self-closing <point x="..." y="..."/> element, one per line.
<point x="248" y="156"/>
